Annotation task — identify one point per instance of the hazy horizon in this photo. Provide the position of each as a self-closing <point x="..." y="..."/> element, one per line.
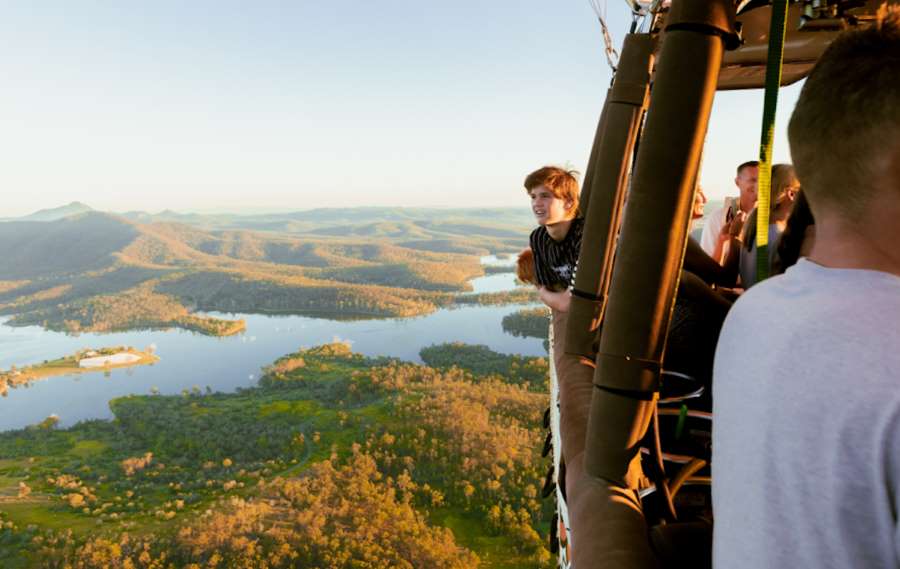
<point x="265" y="211"/>
<point x="276" y="211"/>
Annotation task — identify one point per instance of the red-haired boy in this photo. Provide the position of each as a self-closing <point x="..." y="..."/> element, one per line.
<point x="557" y="241"/>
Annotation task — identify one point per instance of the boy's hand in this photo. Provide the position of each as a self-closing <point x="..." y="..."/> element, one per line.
<point x="558" y="301"/>
<point x="525" y="267"/>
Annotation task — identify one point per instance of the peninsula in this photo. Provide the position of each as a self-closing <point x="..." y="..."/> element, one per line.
<point x="83" y="361"/>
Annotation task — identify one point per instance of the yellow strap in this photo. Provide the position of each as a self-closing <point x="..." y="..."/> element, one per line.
<point x="770" y="104"/>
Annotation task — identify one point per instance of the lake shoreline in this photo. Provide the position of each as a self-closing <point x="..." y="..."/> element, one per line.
<point x="72" y="365"/>
<point x="230" y="363"/>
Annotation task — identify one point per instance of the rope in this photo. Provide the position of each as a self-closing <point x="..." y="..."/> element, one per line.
<point x="612" y="56"/>
<point x="773" y="82"/>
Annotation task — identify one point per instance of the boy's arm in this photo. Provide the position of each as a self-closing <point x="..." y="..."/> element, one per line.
<point x="558" y="301"/>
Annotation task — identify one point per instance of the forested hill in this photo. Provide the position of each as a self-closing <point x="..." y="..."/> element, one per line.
<point x="75" y="244"/>
<point x="333" y="460"/>
<point x="97" y="271"/>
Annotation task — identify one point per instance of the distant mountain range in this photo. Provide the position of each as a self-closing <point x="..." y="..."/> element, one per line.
<point x="55" y="213"/>
<point x="373" y="221"/>
<point x="76" y="268"/>
<point x="92" y="241"/>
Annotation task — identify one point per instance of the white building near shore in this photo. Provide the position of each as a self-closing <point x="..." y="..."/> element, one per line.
<point x="115" y="359"/>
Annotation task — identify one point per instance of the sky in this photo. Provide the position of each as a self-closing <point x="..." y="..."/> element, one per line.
<point x="276" y="105"/>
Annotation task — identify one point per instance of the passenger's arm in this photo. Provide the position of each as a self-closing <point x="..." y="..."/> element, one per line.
<point x="558" y="301"/>
<point x="719" y="249"/>
<point x="732" y="234"/>
<point x="698" y="262"/>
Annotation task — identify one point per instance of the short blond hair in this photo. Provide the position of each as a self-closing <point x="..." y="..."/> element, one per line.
<point x="847" y="120"/>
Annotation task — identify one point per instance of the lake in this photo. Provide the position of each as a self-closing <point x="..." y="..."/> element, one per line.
<point x="497" y="282"/>
<point x="188" y="359"/>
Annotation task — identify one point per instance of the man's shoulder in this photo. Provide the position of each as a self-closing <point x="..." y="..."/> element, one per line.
<point x="821" y="296"/>
<point x="718" y="214"/>
<point x="758" y="306"/>
<point x="788" y="287"/>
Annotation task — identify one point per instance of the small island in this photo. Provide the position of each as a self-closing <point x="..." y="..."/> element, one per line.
<point x="82" y="361"/>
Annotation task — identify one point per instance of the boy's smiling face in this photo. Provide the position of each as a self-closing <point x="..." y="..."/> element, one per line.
<point x="547" y="208"/>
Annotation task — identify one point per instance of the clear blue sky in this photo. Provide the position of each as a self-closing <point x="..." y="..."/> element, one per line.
<point x="231" y="105"/>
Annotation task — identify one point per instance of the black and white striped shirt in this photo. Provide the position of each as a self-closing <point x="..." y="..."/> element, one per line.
<point x="555" y="261"/>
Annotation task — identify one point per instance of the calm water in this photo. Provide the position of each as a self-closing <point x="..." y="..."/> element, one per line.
<point x="502" y="261"/>
<point x="188" y="359"/>
<point x="497" y="282"/>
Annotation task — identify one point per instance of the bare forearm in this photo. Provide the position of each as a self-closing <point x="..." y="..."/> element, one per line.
<point x="558" y="301"/>
<point x="719" y="251"/>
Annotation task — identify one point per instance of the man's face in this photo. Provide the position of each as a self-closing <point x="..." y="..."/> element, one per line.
<point x="547" y="208"/>
<point x="747" y="182"/>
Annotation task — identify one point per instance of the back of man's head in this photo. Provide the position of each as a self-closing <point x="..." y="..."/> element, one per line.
<point x="845" y="130"/>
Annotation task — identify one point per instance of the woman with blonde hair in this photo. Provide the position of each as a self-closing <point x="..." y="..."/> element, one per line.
<point x="785" y="187"/>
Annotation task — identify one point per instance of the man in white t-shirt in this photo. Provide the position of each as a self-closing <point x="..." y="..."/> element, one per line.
<point x="806" y="385"/>
<point x="746" y="180"/>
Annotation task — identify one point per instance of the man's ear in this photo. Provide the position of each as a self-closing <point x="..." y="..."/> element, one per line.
<point x="569" y="205"/>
